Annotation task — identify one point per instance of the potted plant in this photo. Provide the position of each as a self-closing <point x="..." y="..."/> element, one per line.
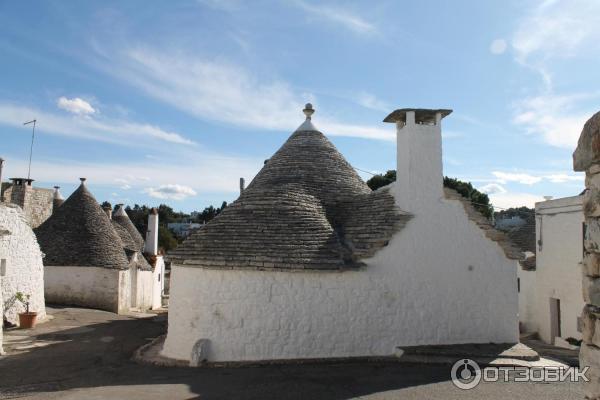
<point x="28" y="318"/>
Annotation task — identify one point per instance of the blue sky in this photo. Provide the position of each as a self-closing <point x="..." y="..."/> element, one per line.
<point x="172" y="102"/>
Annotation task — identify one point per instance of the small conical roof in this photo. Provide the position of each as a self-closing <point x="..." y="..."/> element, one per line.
<point x="306" y="209"/>
<point x="79" y="233"/>
<point x="121" y="218"/>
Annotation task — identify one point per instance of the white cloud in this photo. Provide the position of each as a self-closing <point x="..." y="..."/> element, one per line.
<point x="563" y="178"/>
<point x="336" y="15"/>
<point x="220" y="91"/>
<point x="170" y="191"/>
<point x="101" y="129"/>
<point x="557" y="29"/>
<point x="557" y="119"/>
<point x="492" y="188"/>
<point x="136" y="172"/>
<point x="512" y="199"/>
<point x="498" y="46"/>
<point x="525" y="179"/>
<point x="368" y="100"/>
<point x="75" y="106"/>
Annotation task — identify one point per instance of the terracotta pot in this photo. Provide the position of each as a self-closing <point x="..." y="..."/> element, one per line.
<point x="27" y="320"/>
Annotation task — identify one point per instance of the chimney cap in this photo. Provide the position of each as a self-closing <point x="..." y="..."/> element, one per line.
<point x="154" y="211"/>
<point x="422" y="115"/>
<point x="19" y="181"/>
<point x="82" y="180"/>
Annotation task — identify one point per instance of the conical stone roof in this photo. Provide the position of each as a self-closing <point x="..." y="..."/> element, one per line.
<point x="79" y="233"/>
<point x="306" y="209"/>
<point x="121" y="218"/>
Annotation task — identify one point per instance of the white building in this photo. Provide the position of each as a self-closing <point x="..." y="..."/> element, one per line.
<point x="309" y="263"/>
<point x="550" y="295"/>
<point x="95" y="259"/>
<point x="21" y="268"/>
<point x="183" y="229"/>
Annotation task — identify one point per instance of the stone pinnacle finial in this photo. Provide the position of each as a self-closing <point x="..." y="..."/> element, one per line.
<point x="82" y="180"/>
<point x="308" y="110"/>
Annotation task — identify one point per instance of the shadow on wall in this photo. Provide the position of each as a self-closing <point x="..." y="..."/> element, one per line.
<point x="85" y="359"/>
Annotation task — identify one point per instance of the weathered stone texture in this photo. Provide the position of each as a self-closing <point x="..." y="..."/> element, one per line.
<point x="592" y="235"/>
<point x="24" y="268"/>
<point x="591" y="265"/>
<point x="591" y="291"/>
<point x="589" y="356"/>
<point x="588" y="147"/>
<point x="591" y="202"/>
<point x="36" y="203"/>
<point x="587" y="158"/>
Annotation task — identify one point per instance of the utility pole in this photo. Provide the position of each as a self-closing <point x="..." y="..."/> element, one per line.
<point x="31" y="148"/>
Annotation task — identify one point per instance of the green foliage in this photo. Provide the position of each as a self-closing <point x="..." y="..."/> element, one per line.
<point x="480" y="201"/>
<point x="523" y="212"/>
<point x="210" y="212"/>
<point x="378" y="181"/>
<point x="23" y="299"/>
<point x="166" y="239"/>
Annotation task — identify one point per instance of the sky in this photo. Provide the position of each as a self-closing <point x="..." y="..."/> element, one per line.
<point x="172" y="102"/>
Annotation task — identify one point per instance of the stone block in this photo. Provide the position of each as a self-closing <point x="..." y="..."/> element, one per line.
<point x="589" y="356"/>
<point x="592" y="180"/>
<point x="588" y="146"/>
<point x="591" y="290"/>
<point x="591" y="265"/>
<point x="588" y="320"/>
<point x="591" y="202"/>
<point x="592" y="235"/>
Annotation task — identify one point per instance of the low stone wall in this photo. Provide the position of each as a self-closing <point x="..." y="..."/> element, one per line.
<point x="92" y="287"/>
<point x="587" y="158"/>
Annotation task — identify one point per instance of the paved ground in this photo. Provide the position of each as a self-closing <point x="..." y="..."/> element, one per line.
<point x="85" y="354"/>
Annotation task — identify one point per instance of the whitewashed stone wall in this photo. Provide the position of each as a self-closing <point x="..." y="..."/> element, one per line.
<point x="527" y="301"/>
<point x="24" y="268"/>
<point x="158" y="282"/>
<point x="587" y="158"/>
<point x="439" y="281"/>
<point x="560" y="232"/>
<point x="83" y="286"/>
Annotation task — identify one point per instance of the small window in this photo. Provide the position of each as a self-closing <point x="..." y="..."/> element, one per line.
<point x="519" y="285"/>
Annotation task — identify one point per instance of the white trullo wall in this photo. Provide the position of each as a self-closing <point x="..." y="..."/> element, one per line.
<point x="527" y="300"/>
<point x="24" y="268"/>
<point x="560" y="231"/>
<point x="439" y="281"/>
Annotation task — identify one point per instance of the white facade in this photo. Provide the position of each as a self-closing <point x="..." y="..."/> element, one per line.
<point x="555" y="301"/>
<point x="439" y="281"/>
<point x="20" y="264"/>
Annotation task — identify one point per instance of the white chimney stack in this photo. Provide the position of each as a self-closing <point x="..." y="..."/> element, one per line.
<point x="419" y="172"/>
<point x="151" y="246"/>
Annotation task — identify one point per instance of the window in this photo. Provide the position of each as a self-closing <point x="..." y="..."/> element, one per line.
<point x="518" y="285"/>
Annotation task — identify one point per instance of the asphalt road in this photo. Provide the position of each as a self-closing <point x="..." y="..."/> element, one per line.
<point x="85" y="354"/>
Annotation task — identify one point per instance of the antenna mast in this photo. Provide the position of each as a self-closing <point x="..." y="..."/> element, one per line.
<point x="31" y="148"/>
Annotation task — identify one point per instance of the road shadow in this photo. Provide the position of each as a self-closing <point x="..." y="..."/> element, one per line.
<point x="99" y="355"/>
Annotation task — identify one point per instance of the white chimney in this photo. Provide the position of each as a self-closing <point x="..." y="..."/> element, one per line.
<point x="151" y="246"/>
<point x="419" y="172"/>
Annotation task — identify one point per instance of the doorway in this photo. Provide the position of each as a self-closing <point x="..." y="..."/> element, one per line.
<point x="554" y="319"/>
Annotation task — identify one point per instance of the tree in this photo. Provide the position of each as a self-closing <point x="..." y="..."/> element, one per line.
<point x="480" y="201"/>
<point x="166" y="240"/>
<point x="378" y="181"/>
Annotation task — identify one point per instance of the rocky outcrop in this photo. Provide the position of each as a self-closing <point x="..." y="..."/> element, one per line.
<point x="587" y="158"/>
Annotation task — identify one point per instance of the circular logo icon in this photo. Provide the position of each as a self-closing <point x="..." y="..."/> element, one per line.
<point x="465" y="374"/>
